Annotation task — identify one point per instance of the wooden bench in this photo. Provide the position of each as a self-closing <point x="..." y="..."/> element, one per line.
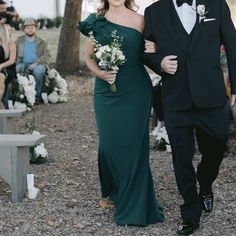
<point x="15" y="159"/>
<point x="7" y="125"/>
<point x="234" y="115"/>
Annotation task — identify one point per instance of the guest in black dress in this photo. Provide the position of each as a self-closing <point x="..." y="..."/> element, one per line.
<point x="7" y="63"/>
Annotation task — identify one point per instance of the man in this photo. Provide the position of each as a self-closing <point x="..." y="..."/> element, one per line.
<point x="188" y="34"/>
<point x="33" y="55"/>
<point x="9" y="13"/>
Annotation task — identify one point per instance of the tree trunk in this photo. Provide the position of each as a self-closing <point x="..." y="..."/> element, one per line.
<point x="68" y="48"/>
<point x="57" y="7"/>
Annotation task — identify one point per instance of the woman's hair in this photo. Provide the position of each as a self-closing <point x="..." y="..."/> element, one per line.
<point x="104" y="6"/>
<point x="5" y="38"/>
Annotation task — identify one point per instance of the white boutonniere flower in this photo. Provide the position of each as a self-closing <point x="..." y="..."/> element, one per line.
<point x="201" y="11"/>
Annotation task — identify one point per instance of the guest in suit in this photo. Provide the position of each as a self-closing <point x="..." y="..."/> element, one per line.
<point x="189" y="34"/>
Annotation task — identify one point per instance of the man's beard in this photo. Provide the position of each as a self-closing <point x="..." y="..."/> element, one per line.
<point x="30" y="35"/>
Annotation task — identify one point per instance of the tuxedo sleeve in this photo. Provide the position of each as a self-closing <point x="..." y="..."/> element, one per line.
<point x="151" y="60"/>
<point x="228" y="34"/>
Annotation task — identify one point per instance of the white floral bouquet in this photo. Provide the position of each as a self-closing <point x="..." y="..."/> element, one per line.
<point x="109" y="57"/>
<point x="56" y="87"/>
<point x="23" y="91"/>
<point x="38" y="153"/>
<point x="162" y="139"/>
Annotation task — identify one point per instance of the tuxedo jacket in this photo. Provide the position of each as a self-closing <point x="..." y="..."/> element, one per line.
<point x="199" y="79"/>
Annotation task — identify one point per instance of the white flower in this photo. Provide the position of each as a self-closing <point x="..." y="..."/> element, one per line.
<point x="32" y="81"/>
<point x="98" y="55"/>
<point x="22" y="80"/>
<point x="40" y="150"/>
<point x="201" y="9"/>
<point x="115" y="68"/>
<point x="35" y="132"/>
<point x="121" y="57"/>
<point x="27" y="88"/>
<point x="19" y="105"/>
<point x="59" y="87"/>
<point x="52" y="73"/>
<point x="53" y="97"/>
<point x="108" y="49"/>
<point x="63" y="99"/>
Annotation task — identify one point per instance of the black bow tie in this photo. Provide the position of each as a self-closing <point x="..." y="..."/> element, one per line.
<point x="181" y="2"/>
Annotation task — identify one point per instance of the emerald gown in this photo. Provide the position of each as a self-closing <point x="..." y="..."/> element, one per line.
<point x="123" y="124"/>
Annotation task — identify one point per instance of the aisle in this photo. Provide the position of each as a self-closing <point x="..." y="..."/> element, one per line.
<point x="69" y="187"/>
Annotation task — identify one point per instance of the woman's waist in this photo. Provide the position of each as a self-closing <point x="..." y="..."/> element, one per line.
<point x="131" y="65"/>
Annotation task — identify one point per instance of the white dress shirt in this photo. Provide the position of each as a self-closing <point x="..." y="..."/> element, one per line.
<point x="187" y="15"/>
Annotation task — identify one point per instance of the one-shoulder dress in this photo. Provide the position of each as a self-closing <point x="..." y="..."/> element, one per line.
<point x="122" y="119"/>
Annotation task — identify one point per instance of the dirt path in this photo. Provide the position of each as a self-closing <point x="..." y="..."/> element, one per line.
<point x="69" y="187"/>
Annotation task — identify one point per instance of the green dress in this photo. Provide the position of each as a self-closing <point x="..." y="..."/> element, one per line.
<point x="123" y="125"/>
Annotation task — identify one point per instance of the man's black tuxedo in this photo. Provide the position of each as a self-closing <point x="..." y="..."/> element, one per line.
<point x="194" y="99"/>
<point x="199" y="78"/>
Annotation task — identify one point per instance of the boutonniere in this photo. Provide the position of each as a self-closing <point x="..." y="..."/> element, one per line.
<point x="201" y="11"/>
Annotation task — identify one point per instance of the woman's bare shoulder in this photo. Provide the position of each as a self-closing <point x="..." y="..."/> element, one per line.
<point x="138" y="20"/>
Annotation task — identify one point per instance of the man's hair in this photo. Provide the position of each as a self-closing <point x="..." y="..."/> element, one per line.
<point x="2" y="2"/>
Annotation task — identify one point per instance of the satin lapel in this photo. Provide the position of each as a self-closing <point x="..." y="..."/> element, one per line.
<point x="167" y="20"/>
<point x="198" y="26"/>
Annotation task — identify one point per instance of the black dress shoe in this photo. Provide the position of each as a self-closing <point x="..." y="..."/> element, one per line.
<point x="207" y="200"/>
<point x="187" y="228"/>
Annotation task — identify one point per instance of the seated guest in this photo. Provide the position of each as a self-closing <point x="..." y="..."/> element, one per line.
<point x="33" y="55"/>
<point x="7" y="62"/>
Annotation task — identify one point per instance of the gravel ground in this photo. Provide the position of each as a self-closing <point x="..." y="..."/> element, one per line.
<point x="68" y="202"/>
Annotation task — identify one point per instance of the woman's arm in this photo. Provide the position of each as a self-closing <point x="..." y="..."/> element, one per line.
<point x="108" y="76"/>
<point x="12" y="56"/>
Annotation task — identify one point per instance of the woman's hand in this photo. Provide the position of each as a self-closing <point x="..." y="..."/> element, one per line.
<point x="150" y="47"/>
<point x="108" y="76"/>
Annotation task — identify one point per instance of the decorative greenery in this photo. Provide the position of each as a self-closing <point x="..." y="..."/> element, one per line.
<point x="55" y="87"/>
<point x="43" y="23"/>
<point x="38" y="153"/>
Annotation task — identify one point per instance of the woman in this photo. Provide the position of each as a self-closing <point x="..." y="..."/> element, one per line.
<point x="123" y="117"/>
<point x="7" y="60"/>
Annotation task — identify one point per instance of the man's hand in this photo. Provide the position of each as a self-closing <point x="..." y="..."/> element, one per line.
<point x="150" y="47"/>
<point x="233" y="100"/>
<point x="32" y="66"/>
<point x="169" y="64"/>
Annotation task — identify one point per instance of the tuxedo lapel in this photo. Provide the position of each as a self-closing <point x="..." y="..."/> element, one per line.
<point x="198" y="26"/>
<point x="171" y="29"/>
